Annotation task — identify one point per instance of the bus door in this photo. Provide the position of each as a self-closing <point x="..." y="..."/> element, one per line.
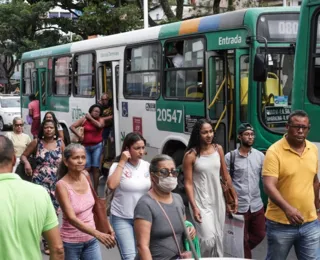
<point x="241" y="86"/>
<point x="41" y="88"/>
<point x="218" y="80"/>
<point x="109" y="83"/>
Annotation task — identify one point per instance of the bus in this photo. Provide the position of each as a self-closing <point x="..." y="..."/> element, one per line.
<point x="163" y="79"/>
<point x="306" y="90"/>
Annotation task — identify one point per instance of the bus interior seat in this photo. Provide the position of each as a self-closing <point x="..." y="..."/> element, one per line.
<point x="271" y="88"/>
<point x="194" y="92"/>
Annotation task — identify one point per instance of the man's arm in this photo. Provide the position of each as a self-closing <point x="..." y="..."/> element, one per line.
<point x="53" y="238"/>
<point x="316" y="192"/>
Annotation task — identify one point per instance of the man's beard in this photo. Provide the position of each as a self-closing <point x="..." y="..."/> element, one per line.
<point x="246" y="144"/>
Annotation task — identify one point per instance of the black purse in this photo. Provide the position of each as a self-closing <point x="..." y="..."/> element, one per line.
<point x="33" y="162"/>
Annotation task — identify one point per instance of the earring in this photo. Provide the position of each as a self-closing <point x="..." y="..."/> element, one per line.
<point x="54" y="136"/>
<point x="42" y="137"/>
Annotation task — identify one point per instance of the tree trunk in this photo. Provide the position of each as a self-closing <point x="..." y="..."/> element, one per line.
<point x="179" y="10"/>
<point x="167" y="9"/>
<point x="216" y="6"/>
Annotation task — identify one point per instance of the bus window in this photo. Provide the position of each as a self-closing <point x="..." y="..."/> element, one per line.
<point x="314" y="86"/>
<point x="244" y="87"/>
<point x="62" y="76"/>
<point x="84" y="83"/>
<point x="28" y="69"/>
<point x="275" y="93"/>
<point x="143" y="72"/>
<point x="184" y="69"/>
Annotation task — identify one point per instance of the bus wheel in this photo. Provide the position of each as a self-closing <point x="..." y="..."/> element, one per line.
<point x="66" y="136"/>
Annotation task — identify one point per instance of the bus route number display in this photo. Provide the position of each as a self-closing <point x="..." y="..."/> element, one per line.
<point x="274" y="115"/>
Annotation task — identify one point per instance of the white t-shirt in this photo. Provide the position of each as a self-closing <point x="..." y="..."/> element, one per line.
<point x="20" y="142"/>
<point x="135" y="182"/>
<point x="177" y="60"/>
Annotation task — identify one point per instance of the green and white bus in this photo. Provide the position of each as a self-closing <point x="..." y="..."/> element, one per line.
<point x="161" y="98"/>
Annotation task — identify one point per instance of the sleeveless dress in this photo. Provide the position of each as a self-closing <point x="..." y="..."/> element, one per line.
<point x="45" y="174"/>
<point x="210" y="201"/>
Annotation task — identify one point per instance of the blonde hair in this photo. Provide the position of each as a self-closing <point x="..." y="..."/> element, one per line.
<point x="17" y="119"/>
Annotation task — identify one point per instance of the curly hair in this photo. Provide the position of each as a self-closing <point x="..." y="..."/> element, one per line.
<point x="194" y="141"/>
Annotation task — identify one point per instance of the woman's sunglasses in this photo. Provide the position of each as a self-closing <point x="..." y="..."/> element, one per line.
<point x="164" y="172"/>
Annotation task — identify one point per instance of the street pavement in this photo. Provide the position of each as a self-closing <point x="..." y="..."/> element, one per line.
<point x="259" y="252"/>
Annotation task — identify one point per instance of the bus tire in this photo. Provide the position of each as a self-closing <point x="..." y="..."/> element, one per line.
<point x="66" y="135"/>
<point x="1" y="124"/>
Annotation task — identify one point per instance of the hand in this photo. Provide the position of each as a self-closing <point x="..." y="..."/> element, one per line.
<point x="294" y="216"/>
<point x="125" y="156"/>
<point x="81" y="138"/>
<point x="88" y="116"/>
<point x="192" y="232"/>
<point x="28" y="169"/>
<point x="197" y="215"/>
<point x="106" y="239"/>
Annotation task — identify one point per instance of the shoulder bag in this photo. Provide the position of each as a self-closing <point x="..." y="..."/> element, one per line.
<point x="33" y="162"/>
<point x="80" y="131"/>
<point x="182" y="255"/>
<point x="228" y="190"/>
<point x="99" y="211"/>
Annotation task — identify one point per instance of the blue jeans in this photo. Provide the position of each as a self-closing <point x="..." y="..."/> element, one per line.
<point x="84" y="251"/>
<point x="125" y="237"/>
<point x="304" y="238"/>
<point x="93" y="154"/>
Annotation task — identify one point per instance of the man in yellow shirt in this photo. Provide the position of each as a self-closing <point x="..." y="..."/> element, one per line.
<point x="291" y="182"/>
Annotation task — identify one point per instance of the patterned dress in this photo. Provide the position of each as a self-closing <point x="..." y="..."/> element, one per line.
<point x="45" y="174"/>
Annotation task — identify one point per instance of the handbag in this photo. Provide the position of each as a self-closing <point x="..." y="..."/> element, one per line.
<point x="33" y="163"/>
<point x="228" y="190"/>
<point x="182" y="255"/>
<point x="80" y="131"/>
<point x="99" y="211"/>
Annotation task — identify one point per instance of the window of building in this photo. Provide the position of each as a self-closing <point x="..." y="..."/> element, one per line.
<point x="62" y="76"/>
<point x="84" y="74"/>
<point x="28" y="77"/>
<point x="184" y="66"/>
<point x="143" y="72"/>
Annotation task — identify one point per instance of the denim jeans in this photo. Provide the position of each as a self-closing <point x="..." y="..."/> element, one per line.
<point x="125" y="237"/>
<point x="93" y="155"/>
<point x="89" y="250"/>
<point x="304" y="238"/>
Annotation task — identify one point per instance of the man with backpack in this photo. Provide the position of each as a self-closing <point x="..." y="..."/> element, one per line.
<point x="245" y="165"/>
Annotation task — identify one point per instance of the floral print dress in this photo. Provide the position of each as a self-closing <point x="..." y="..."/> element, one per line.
<point x="45" y="174"/>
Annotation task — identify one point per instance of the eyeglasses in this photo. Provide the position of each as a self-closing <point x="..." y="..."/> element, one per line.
<point x="17" y="125"/>
<point x="104" y="99"/>
<point x="164" y="172"/>
<point x="249" y="134"/>
<point x="298" y="127"/>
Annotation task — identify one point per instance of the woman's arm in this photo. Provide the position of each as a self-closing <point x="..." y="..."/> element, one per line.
<point x="27" y="152"/>
<point x="62" y="146"/>
<point x="142" y="229"/>
<point x="114" y="179"/>
<point x="97" y="123"/>
<point x="63" y="199"/>
<point x="187" y="164"/>
<point x="61" y="135"/>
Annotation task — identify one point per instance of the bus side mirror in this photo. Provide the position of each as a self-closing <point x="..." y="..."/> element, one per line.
<point x="260" y="68"/>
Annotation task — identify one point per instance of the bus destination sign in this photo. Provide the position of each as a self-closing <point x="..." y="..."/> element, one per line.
<point x="277" y="115"/>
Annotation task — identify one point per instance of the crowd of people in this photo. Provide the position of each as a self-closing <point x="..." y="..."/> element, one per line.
<point x="147" y="220"/>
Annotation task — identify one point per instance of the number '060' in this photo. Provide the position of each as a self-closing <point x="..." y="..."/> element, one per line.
<point x="169" y="115"/>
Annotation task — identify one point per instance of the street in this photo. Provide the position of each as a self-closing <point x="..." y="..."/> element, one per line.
<point x="258" y="253"/>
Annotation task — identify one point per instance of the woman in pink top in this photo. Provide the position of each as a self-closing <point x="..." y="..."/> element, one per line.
<point x="34" y="113"/>
<point x="78" y="232"/>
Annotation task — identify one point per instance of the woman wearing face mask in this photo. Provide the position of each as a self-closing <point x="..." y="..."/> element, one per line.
<point x="201" y="166"/>
<point x="129" y="178"/>
<point x="155" y="238"/>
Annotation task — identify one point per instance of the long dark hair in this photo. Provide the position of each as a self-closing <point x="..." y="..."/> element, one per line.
<point x="63" y="169"/>
<point x="128" y="141"/>
<point x="194" y="141"/>
<point x="53" y="116"/>
<point x="40" y="135"/>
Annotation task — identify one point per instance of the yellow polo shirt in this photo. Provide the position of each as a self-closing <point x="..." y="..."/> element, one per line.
<point x="295" y="175"/>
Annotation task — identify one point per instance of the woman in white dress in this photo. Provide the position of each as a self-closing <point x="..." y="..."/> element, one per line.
<point x="201" y="166"/>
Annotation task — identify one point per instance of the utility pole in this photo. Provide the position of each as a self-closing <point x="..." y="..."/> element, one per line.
<point x="145" y="14"/>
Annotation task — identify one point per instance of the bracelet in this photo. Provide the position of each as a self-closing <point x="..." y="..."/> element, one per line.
<point x="121" y="166"/>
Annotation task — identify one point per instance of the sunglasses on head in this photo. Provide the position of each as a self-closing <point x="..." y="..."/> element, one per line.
<point x="164" y="172"/>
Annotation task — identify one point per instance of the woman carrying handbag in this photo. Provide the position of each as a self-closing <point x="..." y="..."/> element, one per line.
<point x="77" y="199"/>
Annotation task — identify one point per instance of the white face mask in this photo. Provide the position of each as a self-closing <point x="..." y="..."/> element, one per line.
<point x="167" y="184"/>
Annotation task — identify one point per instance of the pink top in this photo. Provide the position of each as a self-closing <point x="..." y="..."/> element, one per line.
<point x="35" y="107"/>
<point x="82" y="205"/>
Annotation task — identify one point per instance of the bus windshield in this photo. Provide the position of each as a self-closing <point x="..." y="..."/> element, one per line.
<point x="275" y="93"/>
<point x="12" y="102"/>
